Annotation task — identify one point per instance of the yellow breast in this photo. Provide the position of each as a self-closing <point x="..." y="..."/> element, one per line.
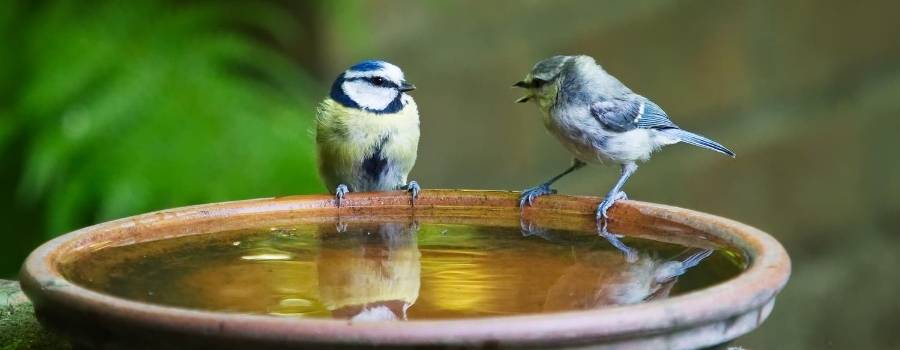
<point x="346" y="137"/>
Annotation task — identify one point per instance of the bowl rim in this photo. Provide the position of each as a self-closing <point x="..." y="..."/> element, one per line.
<point x="751" y="291"/>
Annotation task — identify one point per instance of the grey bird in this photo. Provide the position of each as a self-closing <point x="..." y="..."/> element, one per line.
<point x="600" y="278"/>
<point x="599" y="120"/>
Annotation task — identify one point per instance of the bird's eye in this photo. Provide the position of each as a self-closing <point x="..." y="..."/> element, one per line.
<point x="378" y="81"/>
<point x="538" y="82"/>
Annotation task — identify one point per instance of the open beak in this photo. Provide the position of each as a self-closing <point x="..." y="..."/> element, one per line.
<point x="407" y="87"/>
<point x="524" y="85"/>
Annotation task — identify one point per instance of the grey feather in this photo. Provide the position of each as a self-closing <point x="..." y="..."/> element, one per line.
<point x="550" y="68"/>
<point x="699" y="141"/>
<point x="674" y="269"/>
<point x="636" y="112"/>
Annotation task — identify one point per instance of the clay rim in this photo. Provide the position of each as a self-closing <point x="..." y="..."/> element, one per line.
<point x="750" y="291"/>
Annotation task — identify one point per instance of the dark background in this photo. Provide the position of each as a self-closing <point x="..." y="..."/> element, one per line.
<point x="113" y="108"/>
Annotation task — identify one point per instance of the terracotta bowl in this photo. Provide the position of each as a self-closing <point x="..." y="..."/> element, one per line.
<point x="696" y="319"/>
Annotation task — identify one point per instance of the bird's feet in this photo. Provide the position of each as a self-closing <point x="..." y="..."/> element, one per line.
<point x="607" y="203"/>
<point x="340" y="226"/>
<point x="339" y="194"/>
<point x="413" y="188"/>
<point x="631" y="255"/>
<point x="529" y="195"/>
<point x="529" y="228"/>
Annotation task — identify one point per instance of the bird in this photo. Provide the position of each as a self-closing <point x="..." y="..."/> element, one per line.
<point x="370" y="271"/>
<point x="600" y="121"/>
<point x="603" y="278"/>
<point x="367" y="131"/>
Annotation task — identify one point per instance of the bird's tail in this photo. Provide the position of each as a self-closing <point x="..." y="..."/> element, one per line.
<point x="674" y="268"/>
<point x="699" y="141"/>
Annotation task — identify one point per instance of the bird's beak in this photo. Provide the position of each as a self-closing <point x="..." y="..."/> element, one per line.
<point x="524" y="85"/>
<point x="405" y="87"/>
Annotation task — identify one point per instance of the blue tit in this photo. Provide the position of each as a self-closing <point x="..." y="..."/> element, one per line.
<point x="600" y="278"/>
<point x="367" y="131"/>
<point x="599" y="120"/>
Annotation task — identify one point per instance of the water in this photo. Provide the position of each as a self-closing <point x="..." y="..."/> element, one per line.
<point x="395" y="271"/>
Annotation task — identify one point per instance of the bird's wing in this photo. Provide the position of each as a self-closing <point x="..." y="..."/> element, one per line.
<point x="627" y="114"/>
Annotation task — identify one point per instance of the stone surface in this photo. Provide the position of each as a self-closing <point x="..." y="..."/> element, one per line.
<point x="19" y="329"/>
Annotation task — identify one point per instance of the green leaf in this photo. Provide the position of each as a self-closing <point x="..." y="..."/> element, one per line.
<point x="143" y="105"/>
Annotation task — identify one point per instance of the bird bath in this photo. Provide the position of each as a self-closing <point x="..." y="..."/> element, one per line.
<point x="461" y="269"/>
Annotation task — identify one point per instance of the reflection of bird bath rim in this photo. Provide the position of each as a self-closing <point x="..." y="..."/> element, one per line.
<point x="701" y="318"/>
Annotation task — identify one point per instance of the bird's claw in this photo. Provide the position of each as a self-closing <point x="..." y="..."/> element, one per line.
<point x="529" y="228"/>
<point x="339" y="194"/>
<point x="414" y="226"/>
<point x="529" y="195"/>
<point x="607" y="203"/>
<point x="631" y="255"/>
<point x="413" y="188"/>
<point x="340" y="227"/>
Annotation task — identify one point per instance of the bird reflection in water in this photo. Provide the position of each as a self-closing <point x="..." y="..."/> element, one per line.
<point x="373" y="272"/>
<point x="370" y="272"/>
<point x="397" y="271"/>
<point x="607" y="277"/>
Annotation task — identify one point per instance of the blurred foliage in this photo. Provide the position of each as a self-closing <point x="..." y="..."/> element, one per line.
<point x="112" y="108"/>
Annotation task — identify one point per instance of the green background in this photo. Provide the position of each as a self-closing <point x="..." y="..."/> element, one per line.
<point x="113" y="108"/>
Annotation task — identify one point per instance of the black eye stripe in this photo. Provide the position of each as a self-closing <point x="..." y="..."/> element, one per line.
<point x="386" y="83"/>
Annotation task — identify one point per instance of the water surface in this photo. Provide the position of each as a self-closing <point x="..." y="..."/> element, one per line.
<point x="395" y="271"/>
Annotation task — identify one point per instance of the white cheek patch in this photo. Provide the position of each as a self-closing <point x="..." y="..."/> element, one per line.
<point x="368" y="96"/>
